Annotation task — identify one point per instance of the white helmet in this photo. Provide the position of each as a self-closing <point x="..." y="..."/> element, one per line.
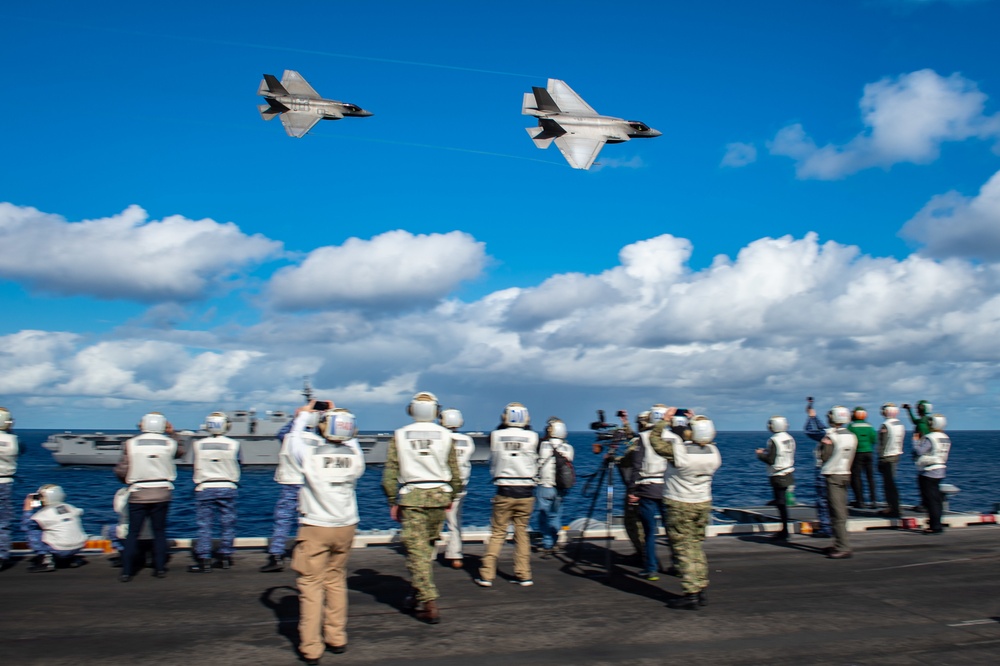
<point x="679" y="421"/>
<point x="338" y="425"/>
<point x="50" y="494"/>
<point x="556" y="428"/>
<point x="702" y="430"/>
<point x="452" y="419"/>
<point x="515" y="415"/>
<point x="657" y="413"/>
<point x="838" y="415"/>
<point x="777" y="424"/>
<point x="643" y="420"/>
<point x="424" y="407"/>
<point x="154" y="422"/>
<point x="890" y="410"/>
<point x="6" y="420"/>
<point x="217" y="423"/>
<point x="937" y="422"/>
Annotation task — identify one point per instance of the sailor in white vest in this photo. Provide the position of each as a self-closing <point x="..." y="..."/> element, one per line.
<point x="646" y="486"/>
<point x="148" y="467"/>
<point x="688" y="495"/>
<point x="836" y="451"/>
<point x="330" y="464"/>
<point x="289" y="480"/>
<point x="891" y="435"/>
<point x="513" y="466"/>
<point x="548" y="495"/>
<point x="780" y="458"/>
<point x="420" y="480"/>
<point x="9" y="451"/>
<point x="464" y="448"/>
<point x="931" y="455"/>
<point x="119" y="531"/>
<point x="53" y="528"/>
<point x="216" y="482"/>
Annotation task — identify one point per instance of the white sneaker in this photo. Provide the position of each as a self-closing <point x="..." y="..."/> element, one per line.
<point x="526" y="582"/>
<point x="482" y="582"/>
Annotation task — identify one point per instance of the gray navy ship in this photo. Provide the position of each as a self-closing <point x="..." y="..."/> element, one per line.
<point x="259" y="443"/>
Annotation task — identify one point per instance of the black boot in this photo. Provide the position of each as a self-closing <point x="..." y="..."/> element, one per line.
<point x="224" y="562"/>
<point x="204" y="565"/>
<point x="687" y="602"/>
<point x="42" y="564"/>
<point x="703" y="597"/>
<point x="274" y="563"/>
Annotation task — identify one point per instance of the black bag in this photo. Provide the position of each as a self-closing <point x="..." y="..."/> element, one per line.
<point x="565" y="472"/>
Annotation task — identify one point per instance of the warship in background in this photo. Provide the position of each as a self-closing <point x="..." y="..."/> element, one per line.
<point x="258" y="438"/>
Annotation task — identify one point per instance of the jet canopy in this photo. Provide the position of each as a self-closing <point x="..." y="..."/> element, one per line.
<point x="638" y="126"/>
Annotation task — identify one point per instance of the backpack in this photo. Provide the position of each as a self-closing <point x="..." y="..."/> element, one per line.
<point x="565" y="472"/>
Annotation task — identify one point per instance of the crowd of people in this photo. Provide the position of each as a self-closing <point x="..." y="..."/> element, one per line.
<point x="667" y="466"/>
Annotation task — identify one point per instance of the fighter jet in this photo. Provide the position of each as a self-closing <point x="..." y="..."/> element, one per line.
<point x="578" y="130"/>
<point x="299" y="106"/>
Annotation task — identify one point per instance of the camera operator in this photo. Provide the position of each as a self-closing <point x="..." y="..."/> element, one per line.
<point x="54" y="530"/>
<point x="9" y="451"/>
<point x="645" y="487"/>
<point x="217" y="478"/>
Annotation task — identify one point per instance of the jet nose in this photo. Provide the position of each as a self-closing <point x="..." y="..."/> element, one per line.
<point x="653" y="132"/>
<point x="363" y="114"/>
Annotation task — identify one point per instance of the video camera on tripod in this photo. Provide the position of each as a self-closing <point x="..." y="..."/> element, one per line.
<point x="609" y="435"/>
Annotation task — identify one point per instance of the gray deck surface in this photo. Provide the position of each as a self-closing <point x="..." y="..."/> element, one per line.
<point x="905" y="598"/>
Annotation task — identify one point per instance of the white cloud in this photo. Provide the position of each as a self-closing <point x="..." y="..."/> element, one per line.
<point x="125" y="256"/>
<point x="952" y="225"/>
<point x="906" y="119"/>
<point x="392" y="270"/>
<point x="739" y="155"/>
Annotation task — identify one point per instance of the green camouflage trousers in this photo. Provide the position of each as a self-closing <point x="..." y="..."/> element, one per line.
<point x="421" y="527"/>
<point x="633" y="527"/>
<point x="686" y="525"/>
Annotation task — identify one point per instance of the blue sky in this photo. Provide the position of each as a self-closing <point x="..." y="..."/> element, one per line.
<point x="820" y="217"/>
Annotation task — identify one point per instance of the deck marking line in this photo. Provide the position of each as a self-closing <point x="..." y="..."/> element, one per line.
<point x="919" y="564"/>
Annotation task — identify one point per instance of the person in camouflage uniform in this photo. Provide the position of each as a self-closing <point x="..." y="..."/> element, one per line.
<point x="419" y="494"/>
<point x="630" y="515"/>
<point x="688" y="496"/>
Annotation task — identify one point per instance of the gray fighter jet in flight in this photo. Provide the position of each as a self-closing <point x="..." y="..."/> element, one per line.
<point x="299" y="106"/>
<point x="578" y="130"/>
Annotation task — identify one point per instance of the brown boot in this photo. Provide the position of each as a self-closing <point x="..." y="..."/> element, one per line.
<point x="429" y="612"/>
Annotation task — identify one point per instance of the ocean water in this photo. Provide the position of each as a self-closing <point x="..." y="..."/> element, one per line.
<point x="741" y="481"/>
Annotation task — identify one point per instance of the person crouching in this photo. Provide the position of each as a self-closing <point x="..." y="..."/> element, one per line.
<point x="54" y="530"/>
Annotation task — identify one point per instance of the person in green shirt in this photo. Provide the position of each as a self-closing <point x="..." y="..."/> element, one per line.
<point x="863" y="458"/>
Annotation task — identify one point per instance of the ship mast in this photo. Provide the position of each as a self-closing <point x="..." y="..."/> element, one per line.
<point x="307" y="391"/>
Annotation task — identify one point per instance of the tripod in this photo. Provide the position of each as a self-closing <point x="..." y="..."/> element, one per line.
<point x="605" y="477"/>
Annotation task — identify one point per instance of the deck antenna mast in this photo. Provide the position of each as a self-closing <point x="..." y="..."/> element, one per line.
<point x="307" y="391"/>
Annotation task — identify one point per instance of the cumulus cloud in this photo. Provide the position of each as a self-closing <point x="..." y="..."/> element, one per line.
<point x="739" y="155"/>
<point x="952" y="225"/>
<point x="126" y="256"/>
<point x="906" y="119"/>
<point x="392" y="270"/>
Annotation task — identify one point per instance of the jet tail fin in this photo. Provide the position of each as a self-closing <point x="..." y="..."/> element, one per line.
<point x="540" y="141"/>
<point x="271" y="109"/>
<point x="272" y="85"/>
<point x="544" y="101"/>
<point x="546" y="131"/>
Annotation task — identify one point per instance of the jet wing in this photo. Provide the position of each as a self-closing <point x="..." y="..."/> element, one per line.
<point x="297" y="123"/>
<point x="579" y="152"/>
<point x="298" y="86"/>
<point x="568" y="101"/>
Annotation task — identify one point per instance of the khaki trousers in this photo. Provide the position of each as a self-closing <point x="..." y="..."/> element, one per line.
<point x="507" y="510"/>
<point x="320" y="560"/>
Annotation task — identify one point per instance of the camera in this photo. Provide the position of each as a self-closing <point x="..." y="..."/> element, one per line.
<point x="608" y="434"/>
<point x="621" y="413"/>
<point x="321" y="405"/>
<point x="906" y="405"/>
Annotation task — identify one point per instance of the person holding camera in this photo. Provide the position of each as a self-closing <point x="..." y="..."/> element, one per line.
<point x="9" y="451"/>
<point x="514" y="467"/>
<point x="835" y="451"/>
<point x="863" y="464"/>
<point x="645" y="487"/>
<point x="54" y="530"/>
<point x="330" y="465"/>
<point x="421" y="480"/>
<point x="780" y="458"/>
<point x="147" y="466"/>
<point x="931" y="455"/>
<point x="816" y="431"/>
<point x="216" y="477"/>
<point x="289" y="480"/>
<point x="890" y="447"/>
<point x="548" y="495"/>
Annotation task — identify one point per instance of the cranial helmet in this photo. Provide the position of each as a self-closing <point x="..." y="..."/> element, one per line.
<point x="859" y="413"/>
<point x="50" y="494"/>
<point x="890" y="410"/>
<point x="217" y="423"/>
<point x="657" y="413"/>
<point x="452" y="419"/>
<point x="6" y="420"/>
<point x="838" y="415"/>
<point x="702" y="430"/>
<point x="679" y="421"/>
<point x="556" y="428"/>
<point x="515" y="415"/>
<point x="338" y="425"/>
<point x="924" y="408"/>
<point x="424" y="407"/>
<point x="777" y="424"/>
<point x="643" y="420"/>
<point x="938" y="422"/>
<point x="154" y="422"/>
